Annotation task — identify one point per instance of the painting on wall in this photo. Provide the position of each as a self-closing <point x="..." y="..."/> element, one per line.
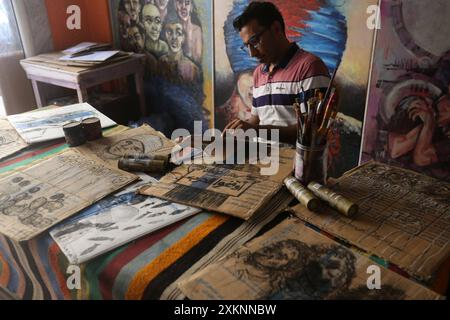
<point x="408" y="113"/>
<point x="334" y="30"/>
<point x="176" y="38"/>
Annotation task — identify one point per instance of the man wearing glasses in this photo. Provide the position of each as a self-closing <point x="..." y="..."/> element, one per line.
<point x="285" y="72"/>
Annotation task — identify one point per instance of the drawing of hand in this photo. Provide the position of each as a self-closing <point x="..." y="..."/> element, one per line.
<point x="422" y="110"/>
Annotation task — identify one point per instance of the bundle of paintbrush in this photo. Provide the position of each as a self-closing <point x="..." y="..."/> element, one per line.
<point x="315" y="117"/>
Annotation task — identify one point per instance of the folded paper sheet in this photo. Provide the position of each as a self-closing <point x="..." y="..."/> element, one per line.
<point x="10" y="141"/>
<point x="45" y="125"/>
<point x="116" y="220"/>
<point x="144" y="140"/>
<point x="237" y="190"/>
<point x="404" y="217"/>
<point x="294" y="262"/>
<point x="37" y="197"/>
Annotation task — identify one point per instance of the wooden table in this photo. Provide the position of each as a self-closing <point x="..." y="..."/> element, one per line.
<point x="47" y="68"/>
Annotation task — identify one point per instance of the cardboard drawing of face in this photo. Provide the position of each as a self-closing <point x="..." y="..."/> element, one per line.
<point x="184" y="8"/>
<point x="133" y="8"/>
<point x="152" y="21"/>
<point x="175" y="36"/>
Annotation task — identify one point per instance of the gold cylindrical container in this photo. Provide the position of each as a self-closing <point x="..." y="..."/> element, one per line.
<point x="333" y="199"/>
<point x="303" y="195"/>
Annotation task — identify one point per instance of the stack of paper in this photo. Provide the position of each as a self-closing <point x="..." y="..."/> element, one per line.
<point x="90" y="54"/>
<point x="85" y="47"/>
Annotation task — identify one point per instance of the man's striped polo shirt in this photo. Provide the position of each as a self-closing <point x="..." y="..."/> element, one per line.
<point x="274" y="93"/>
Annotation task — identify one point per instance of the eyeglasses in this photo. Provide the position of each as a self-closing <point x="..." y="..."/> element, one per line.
<point x="254" y="41"/>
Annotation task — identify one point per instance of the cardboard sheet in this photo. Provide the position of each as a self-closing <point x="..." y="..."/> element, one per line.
<point x="237" y="190"/>
<point x="404" y="217"/>
<point x="37" y="197"/>
<point x="294" y="262"/>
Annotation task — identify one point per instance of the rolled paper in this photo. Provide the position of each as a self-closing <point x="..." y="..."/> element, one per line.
<point x="92" y="128"/>
<point x="74" y="133"/>
<point x="142" y="165"/>
<point x="333" y="199"/>
<point x="303" y="195"/>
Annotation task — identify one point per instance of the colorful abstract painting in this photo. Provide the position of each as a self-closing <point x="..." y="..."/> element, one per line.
<point x="334" y="30"/>
<point x="176" y="38"/>
<point x="408" y="114"/>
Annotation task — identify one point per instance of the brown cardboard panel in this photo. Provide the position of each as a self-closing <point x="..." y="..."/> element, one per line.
<point x="292" y="261"/>
<point x="237" y="190"/>
<point x="404" y="217"/>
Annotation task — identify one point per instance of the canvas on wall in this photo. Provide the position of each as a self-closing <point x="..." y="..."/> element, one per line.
<point x="176" y="37"/>
<point x="336" y="31"/>
<point x="408" y="113"/>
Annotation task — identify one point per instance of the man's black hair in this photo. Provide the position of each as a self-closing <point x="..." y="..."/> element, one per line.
<point x="266" y="13"/>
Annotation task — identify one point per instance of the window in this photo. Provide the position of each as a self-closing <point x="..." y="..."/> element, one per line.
<point x="9" y="37"/>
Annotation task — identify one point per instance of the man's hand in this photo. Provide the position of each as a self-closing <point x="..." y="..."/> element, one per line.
<point x="240" y="124"/>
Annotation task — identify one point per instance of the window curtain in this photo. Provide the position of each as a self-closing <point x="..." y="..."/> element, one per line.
<point x="24" y="31"/>
<point x="9" y="45"/>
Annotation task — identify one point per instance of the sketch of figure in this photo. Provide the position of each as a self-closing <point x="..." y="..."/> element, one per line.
<point x="276" y="263"/>
<point x="132" y="145"/>
<point x="296" y="270"/>
<point x="194" y="43"/>
<point x="175" y="62"/>
<point x="153" y="27"/>
<point x="7" y="137"/>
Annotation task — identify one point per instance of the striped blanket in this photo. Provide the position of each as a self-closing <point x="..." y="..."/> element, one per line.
<point x="147" y="268"/>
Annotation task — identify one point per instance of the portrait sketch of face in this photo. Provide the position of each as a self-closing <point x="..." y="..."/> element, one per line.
<point x="126" y="146"/>
<point x="174" y="36"/>
<point x="152" y="21"/>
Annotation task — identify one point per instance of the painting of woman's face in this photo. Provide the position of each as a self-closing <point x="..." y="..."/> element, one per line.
<point x="184" y="8"/>
<point x="152" y="21"/>
<point x="174" y="36"/>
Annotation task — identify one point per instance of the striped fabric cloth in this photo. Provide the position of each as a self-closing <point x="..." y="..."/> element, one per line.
<point x="143" y="269"/>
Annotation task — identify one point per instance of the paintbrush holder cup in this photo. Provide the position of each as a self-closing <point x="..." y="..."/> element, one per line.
<point x="311" y="164"/>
